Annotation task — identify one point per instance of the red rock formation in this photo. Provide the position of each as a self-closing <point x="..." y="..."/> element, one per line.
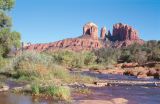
<point x="103" y="33"/>
<point x="75" y="44"/>
<point x="90" y="29"/>
<point x="124" y="35"/>
<point x="122" y="32"/>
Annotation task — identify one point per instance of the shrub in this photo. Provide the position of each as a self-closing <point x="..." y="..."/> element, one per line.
<point x="82" y="78"/>
<point x="89" y="58"/>
<point x="73" y="59"/>
<point x="97" y="67"/>
<point x="126" y="56"/>
<point x="59" y="72"/>
<point x="65" y="58"/>
<point x="35" y="89"/>
<point x="107" y="55"/>
<point x="32" y="64"/>
<point x="134" y="53"/>
<point x="60" y="92"/>
<point x="1" y="62"/>
<point x="83" y="91"/>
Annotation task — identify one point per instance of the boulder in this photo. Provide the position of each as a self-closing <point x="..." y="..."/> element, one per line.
<point x="129" y="65"/>
<point x="151" y="72"/>
<point x="157" y="75"/>
<point x="142" y="74"/>
<point x="4" y="88"/>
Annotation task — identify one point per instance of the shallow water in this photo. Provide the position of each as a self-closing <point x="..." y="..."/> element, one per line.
<point x="134" y="94"/>
<point x="114" y="77"/>
<point x="10" y="98"/>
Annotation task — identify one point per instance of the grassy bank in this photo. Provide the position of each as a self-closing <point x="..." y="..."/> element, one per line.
<point x="44" y="74"/>
<point x="47" y="72"/>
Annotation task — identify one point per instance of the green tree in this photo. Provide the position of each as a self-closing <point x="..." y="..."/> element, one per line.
<point x="8" y="39"/>
<point x="6" y="4"/>
<point x="107" y="55"/>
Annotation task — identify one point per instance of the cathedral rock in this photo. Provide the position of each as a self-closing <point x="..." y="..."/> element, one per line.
<point x="123" y="35"/>
<point x="90" y="29"/>
<point x="122" y="32"/>
<point x="103" y="33"/>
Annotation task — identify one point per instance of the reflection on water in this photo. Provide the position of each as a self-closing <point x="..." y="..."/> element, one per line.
<point x="134" y="94"/>
<point x="113" y="76"/>
<point x="10" y="98"/>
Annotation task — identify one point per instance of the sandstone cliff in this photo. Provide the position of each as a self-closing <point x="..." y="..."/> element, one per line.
<point x="123" y="35"/>
<point x="122" y="32"/>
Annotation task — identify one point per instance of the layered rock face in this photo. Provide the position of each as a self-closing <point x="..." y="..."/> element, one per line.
<point x="88" y="41"/>
<point x="123" y="35"/>
<point x="91" y="29"/>
<point x="122" y="32"/>
<point x="75" y="44"/>
<point x="103" y="33"/>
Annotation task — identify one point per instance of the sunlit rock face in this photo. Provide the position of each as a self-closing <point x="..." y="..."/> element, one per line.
<point x="90" y="29"/>
<point x="122" y="36"/>
<point x="122" y="32"/>
<point x="103" y="33"/>
<point x="75" y="44"/>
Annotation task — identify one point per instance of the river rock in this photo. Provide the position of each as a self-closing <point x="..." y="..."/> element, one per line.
<point x="23" y="88"/>
<point x="151" y="72"/>
<point x="144" y="76"/>
<point x="101" y="84"/>
<point x="129" y="65"/>
<point x="4" y="88"/>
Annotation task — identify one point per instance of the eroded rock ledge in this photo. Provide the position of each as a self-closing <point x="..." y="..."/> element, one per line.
<point x="123" y="35"/>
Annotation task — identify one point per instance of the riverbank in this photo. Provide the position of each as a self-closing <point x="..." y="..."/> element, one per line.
<point x="107" y="94"/>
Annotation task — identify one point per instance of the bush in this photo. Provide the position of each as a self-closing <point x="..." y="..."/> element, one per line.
<point x="134" y="53"/>
<point x="107" y="55"/>
<point x="126" y="56"/>
<point x="59" y="92"/>
<point x="35" y="89"/>
<point x="45" y="76"/>
<point x="36" y="65"/>
<point x="89" y="58"/>
<point x="3" y="62"/>
<point x="66" y="58"/>
<point x="32" y="64"/>
<point x="73" y="59"/>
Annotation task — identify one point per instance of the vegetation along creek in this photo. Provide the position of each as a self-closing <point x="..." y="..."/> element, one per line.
<point x="99" y="65"/>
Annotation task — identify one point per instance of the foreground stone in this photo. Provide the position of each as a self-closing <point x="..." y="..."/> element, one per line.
<point x="22" y="88"/>
<point x="130" y="82"/>
<point x="4" y="88"/>
<point x="112" y="101"/>
<point x="111" y="71"/>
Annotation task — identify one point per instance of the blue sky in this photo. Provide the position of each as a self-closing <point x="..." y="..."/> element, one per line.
<point x="41" y="21"/>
